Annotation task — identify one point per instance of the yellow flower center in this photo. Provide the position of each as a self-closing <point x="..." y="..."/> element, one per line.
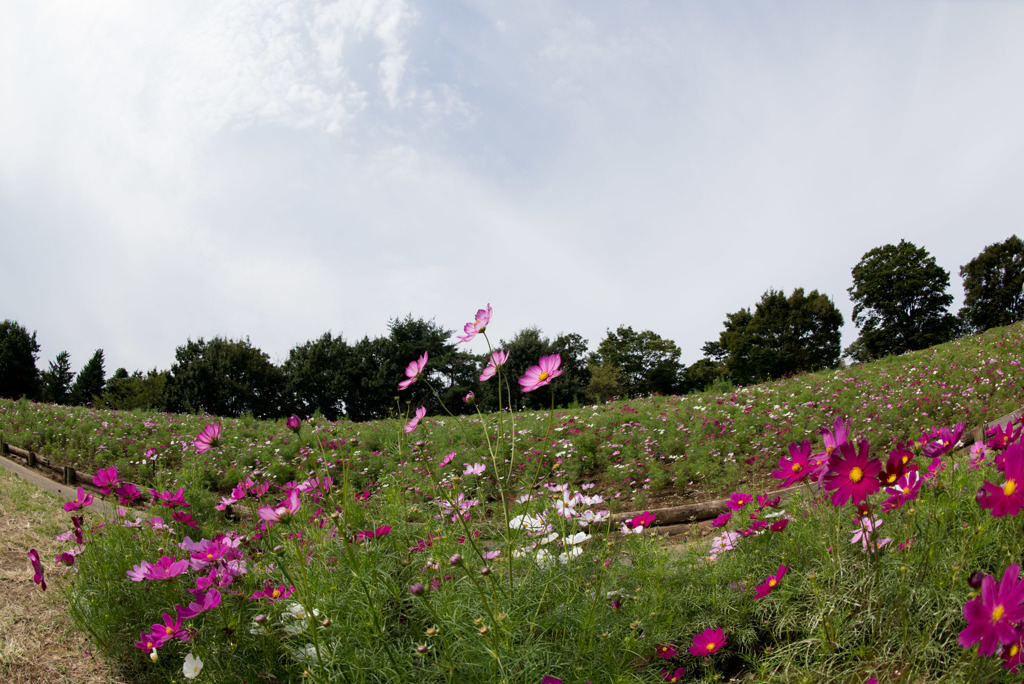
<point x="797" y="468"/>
<point x="905" y="458"/>
<point x="906" y="490"/>
<point x="1013" y="650"/>
<point x="710" y="646"/>
<point x="1009" y="488"/>
<point x="772" y="582"/>
<point x="209" y="555"/>
<point x="543" y="376"/>
<point x="891" y="478"/>
<point x="856" y="475"/>
<point x="277" y="592"/>
<point x="997" y="614"/>
<point x="169" y="630"/>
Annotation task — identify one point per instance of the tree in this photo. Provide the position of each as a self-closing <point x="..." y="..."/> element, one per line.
<point x="993" y="283"/>
<point x="136" y="391"/>
<point x="317" y="375"/>
<point x="18" y="374"/>
<point x="900" y="302"/>
<point x="89" y="384"/>
<point x="783" y="336"/>
<point x="648" y="362"/>
<point x="524" y="350"/>
<point x="56" y="380"/>
<point x="224" y="378"/>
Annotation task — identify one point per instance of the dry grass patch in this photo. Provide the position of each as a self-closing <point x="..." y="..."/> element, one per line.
<point x="37" y="640"/>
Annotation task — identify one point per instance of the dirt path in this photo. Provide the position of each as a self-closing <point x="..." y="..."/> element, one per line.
<point x="37" y="641"/>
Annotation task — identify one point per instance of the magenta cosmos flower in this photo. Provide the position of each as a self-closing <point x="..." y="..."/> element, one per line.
<point x="82" y="501"/>
<point x="665" y="651"/>
<point x="542" y="374"/>
<point x="796" y="467"/>
<point x="421" y="413"/>
<point x="414" y="371"/>
<point x="169" y="498"/>
<point x="477" y="325"/>
<point x="293" y="423"/>
<point x="1008" y="499"/>
<point x="285" y="510"/>
<point x="673" y="677"/>
<point x="165" y="568"/>
<point x="37" y="567"/>
<point x="498" y="359"/>
<point x="208" y="438"/>
<point x="852" y="474"/>
<point x="708" y="642"/>
<point x="737" y="500"/>
<point x="105" y="479"/>
<point x="991" y="615"/>
<point x="770" y="582"/>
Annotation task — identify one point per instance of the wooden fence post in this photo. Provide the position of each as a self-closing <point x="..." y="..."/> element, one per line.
<point x="70" y="477"/>
<point x="30" y="460"/>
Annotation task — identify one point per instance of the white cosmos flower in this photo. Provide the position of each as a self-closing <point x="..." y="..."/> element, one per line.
<point x="550" y="538"/>
<point x="577" y="538"/>
<point x="192" y="667"/>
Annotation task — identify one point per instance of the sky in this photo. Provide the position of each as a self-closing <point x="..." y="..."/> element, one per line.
<point x="174" y="170"/>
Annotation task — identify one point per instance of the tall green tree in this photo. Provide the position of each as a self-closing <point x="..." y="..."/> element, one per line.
<point x="900" y="302"/>
<point x="56" y="380"/>
<point x="126" y="392"/>
<point x="782" y="336"/>
<point x="994" y="286"/>
<point x="648" y="362"/>
<point x="225" y="378"/>
<point x="88" y="386"/>
<point x="18" y="353"/>
<point x="317" y="375"/>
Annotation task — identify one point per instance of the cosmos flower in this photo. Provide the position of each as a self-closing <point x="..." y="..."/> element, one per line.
<point x="37" y="567"/>
<point x="770" y="582"/>
<point x="1009" y="498"/>
<point x="82" y="501"/>
<point x="477" y="325"/>
<point x="796" y="467"/>
<point x="708" y="642"/>
<point x="990" y="616"/>
<point x="105" y="479"/>
<point x="498" y="359"/>
<point x="208" y="438"/>
<point x="541" y="374"/>
<point x="421" y="413"/>
<point x="852" y="474"/>
<point x="414" y="371"/>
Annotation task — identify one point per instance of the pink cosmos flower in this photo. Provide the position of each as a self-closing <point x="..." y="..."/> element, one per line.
<point x="127" y="493"/>
<point x="170" y="628"/>
<point x="1008" y="499"/>
<point x="645" y="519"/>
<point x="208" y="601"/>
<point x="674" y="677"/>
<point x="421" y="413"/>
<point x="780" y="525"/>
<point x="722" y="520"/>
<point x="468" y="399"/>
<point x="665" y="651"/>
<point x="541" y="374"/>
<point x="905" y="490"/>
<point x="208" y="438"/>
<point x="165" y="568"/>
<point x="293" y="423"/>
<point x="770" y="582"/>
<point x="373" y="534"/>
<point x="185" y="519"/>
<point x="478" y="325"/>
<point x="82" y="501"/>
<point x="414" y="371"/>
<point x="150" y="642"/>
<point x="942" y="441"/>
<point x="138" y="572"/>
<point x="169" y="499"/>
<point x="852" y="474"/>
<point x="37" y="567"/>
<point x="991" y="615"/>
<point x="285" y="510"/>
<point x="708" y="642"/>
<point x="864" y="533"/>
<point x="737" y="500"/>
<point x="273" y="593"/>
<point x="446" y="460"/>
<point x="475" y="469"/>
<point x="796" y="467"/>
<point x="105" y="479"/>
<point x="498" y="359"/>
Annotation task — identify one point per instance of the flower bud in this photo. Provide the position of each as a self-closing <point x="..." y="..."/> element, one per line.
<point x="485" y="571"/>
<point x="484" y="630"/>
<point x="293" y="423"/>
<point x="153" y="655"/>
<point x="279" y="549"/>
<point x="456" y="559"/>
<point x="975" y="579"/>
<point x="417" y="589"/>
<point x="421" y="648"/>
<point x="431" y="631"/>
<point x="260" y="619"/>
<point x="326" y="622"/>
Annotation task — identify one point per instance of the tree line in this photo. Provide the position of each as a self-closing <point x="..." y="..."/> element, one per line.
<point x="901" y="303"/>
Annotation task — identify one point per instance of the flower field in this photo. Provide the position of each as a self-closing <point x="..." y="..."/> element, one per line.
<point x="481" y="550"/>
